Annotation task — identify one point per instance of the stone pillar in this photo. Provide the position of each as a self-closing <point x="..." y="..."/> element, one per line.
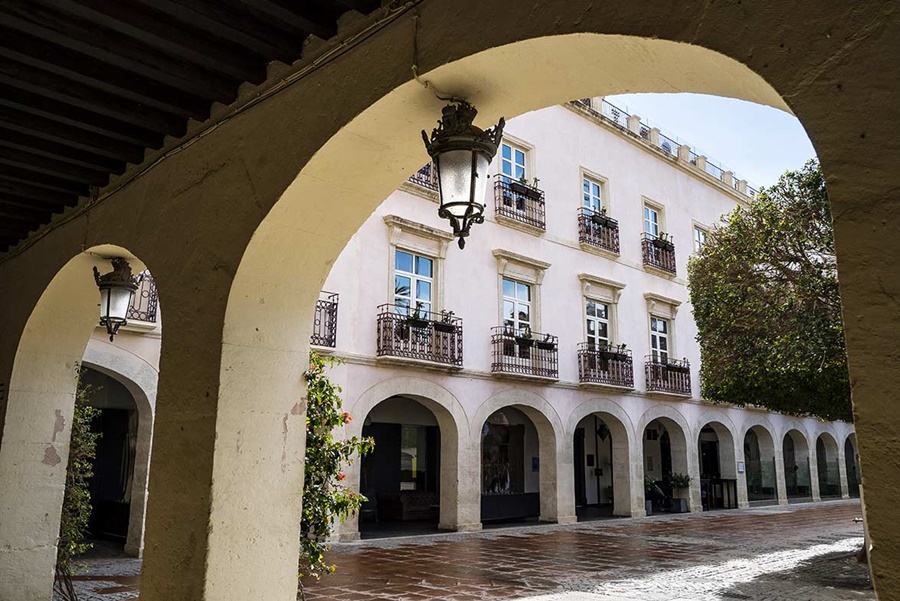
<point x="134" y="544"/>
<point x="780" y="481"/>
<point x="564" y="492"/>
<point x="842" y="472"/>
<point x="742" y="186"/>
<point x="654" y="136"/>
<point x="743" y="500"/>
<point x="701" y="163"/>
<point x="684" y="153"/>
<point x="634" y="124"/>
<point x="468" y="500"/>
<point x="814" y="473"/>
<point x="636" y="467"/>
<point x="728" y="179"/>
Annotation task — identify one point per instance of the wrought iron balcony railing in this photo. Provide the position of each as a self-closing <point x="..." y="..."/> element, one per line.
<point x="325" y="322"/>
<point x="421" y="335"/>
<point x="426" y="177"/>
<point x="668" y="375"/>
<point x="520" y="202"/>
<point x="524" y="352"/>
<point x="610" y="365"/>
<point x="658" y="251"/>
<point x="145" y="302"/>
<point x="596" y="229"/>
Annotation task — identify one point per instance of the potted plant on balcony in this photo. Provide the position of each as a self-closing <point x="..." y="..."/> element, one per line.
<point x="546" y="344"/>
<point x="446" y="324"/>
<point x="419" y="318"/>
<point x="600" y="218"/>
<point x="681" y="484"/>
<point x="525" y="340"/>
<point x="664" y="241"/>
<point x="606" y="352"/>
<point x="532" y="191"/>
<point x="519" y="186"/>
<point x="680" y="368"/>
<point x="620" y="354"/>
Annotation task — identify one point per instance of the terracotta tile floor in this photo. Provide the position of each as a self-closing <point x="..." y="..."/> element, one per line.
<point x="534" y="560"/>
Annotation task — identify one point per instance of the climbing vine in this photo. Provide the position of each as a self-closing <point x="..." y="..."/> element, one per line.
<point x="326" y="499"/>
<point x="76" y="509"/>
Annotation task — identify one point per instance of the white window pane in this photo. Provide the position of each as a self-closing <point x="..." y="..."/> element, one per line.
<point x="591" y="327"/>
<point x="653" y="341"/>
<point x="423" y="266"/>
<point x="520" y="157"/>
<point x="602" y="311"/>
<point x="590" y="308"/>
<point x="509" y="288"/>
<point x="524" y="312"/>
<point x="507" y="152"/>
<point x="404" y="261"/>
<point x="602" y="330"/>
<point x="520" y="171"/>
<point x="423" y="291"/>
<point x="402" y="306"/>
<point x="661" y="326"/>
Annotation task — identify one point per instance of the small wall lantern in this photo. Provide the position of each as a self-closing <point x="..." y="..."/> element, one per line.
<point x="116" y="292"/>
<point x="462" y="153"/>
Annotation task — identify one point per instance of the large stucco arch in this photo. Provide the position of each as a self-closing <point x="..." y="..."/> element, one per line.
<point x="556" y="478"/>
<point x="455" y="512"/>
<point x="627" y="477"/>
<point x="769" y="449"/>
<point x="38" y="421"/>
<point x="833" y="61"/>
<point x="730" y="448"/>
<point x="140" y="378"/>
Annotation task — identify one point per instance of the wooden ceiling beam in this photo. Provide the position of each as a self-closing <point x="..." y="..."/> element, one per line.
<point x="59" y="151"/>
<point x="52" y="167"/>
<point x="28" y="177"/>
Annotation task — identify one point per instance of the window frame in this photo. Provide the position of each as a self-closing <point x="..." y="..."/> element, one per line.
<point x="656" y="352"/>
<point x="607" y="321"/>
<point x="697" y="228"/>
<point x="516" y="301"/>
<point x="415" y="278"/>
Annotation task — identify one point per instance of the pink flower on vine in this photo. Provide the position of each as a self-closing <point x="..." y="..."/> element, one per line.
<point x="342" y="476"/>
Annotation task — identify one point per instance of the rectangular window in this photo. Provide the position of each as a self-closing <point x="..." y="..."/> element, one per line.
<point x="699" y="238"/>
<point x="516" y="307"/>
<point x="659" y="339"/>
<point x="597" y="322"/>
<point x="592" y="194"/>
<point x="651" y="221"/>
<point x="512" y="162"/>
<point x="413" y="283"/>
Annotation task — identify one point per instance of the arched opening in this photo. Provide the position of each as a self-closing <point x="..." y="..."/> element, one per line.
<point x="401" y="478"/>
<point x="718" y="468"/>
<point x="797" y="480"/>
<point x="760" y="470"/>
<point x="601" y="467"/>
<point x="851" y="459"/>
<point x="40" y="407"/>
<point x="665" y="460"/>
<point x="511" y="483"/>
<point x="114" y="463"/>
<point x="828" y="466"/>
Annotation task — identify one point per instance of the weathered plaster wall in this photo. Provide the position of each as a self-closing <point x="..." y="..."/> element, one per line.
<point x="233" y="383"/>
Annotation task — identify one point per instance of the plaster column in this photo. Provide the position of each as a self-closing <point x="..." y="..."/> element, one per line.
<point x="842" y="472"/>
<point x="780" y="481"/>
<point x="813" y="459"/>
<point x="468" y="499"/>
<point x="637" y="507"/>
<point x="558" y="483"/>
<point x="134" y="544"/>
<point x="701" y="163"/>
<point x="654" y="136"/>
<point x="634" y="124"/>
<point x="743" y="500"/>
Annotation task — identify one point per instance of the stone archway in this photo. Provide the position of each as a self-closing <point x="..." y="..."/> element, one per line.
<point x="851" y="459"/>
<point x="666" y="451"/>
<point x="608" y="427"/>
<point x="828" y="466"/>
<point x="140" y="378"/>
<point x="38" y="422"/>
<point x="797" y="466"/>
<point x="240" y="409"/>
<point x="554" y="457"/>
<point x="459" y="509"/>
<point x="761" y="464"/>
<point x="718" y="465"/>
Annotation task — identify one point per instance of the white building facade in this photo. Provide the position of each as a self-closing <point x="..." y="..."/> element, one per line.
<point x="548" y="371"/>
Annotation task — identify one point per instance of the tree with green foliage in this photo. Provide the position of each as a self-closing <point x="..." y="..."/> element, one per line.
<point x="76" y="509"/>
<point x="325" y="498"/>
<point x="767" y="305"/>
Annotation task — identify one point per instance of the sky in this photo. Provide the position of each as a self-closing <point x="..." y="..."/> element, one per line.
<point x="757" y="142"/>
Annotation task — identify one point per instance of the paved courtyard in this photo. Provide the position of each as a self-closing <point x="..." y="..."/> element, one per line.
<point x="794" y="553"/>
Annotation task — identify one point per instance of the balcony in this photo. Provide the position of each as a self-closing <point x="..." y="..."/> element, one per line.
<point x="605" y="365"/>
<point x="420" y="336"/>
<point x="519" y="203"/>
<point x="524" y="353"/>
<point x="426" y="177"/>
<point x="668" y="376"/>
<point x="597" y="230"/>
<point x="145" y="302"/>
<point x="658" y="252"/>
<point x="325" y="322"/>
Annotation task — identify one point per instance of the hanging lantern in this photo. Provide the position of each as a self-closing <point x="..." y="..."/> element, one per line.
<point x="462" y="153"/>
<point x="116" y="292"/>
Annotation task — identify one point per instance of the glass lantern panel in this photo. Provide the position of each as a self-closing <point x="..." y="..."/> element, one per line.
<point x="119" y="302"/>
<point x="455" y="172"/>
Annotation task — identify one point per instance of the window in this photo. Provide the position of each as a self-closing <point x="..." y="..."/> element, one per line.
<point x="413" y="282"/>
<point x="597" y="321"/>
<point x="651" y="221"/>
<point x="516" y="306"/>
<point x="699" y="238"/>
<point x="593" y="198"/>
<point x="659" y="339"/>
<point x="512" y="162"/>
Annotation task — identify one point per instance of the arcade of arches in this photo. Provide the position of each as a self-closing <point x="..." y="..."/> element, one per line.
<point x="241" y="226"/>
